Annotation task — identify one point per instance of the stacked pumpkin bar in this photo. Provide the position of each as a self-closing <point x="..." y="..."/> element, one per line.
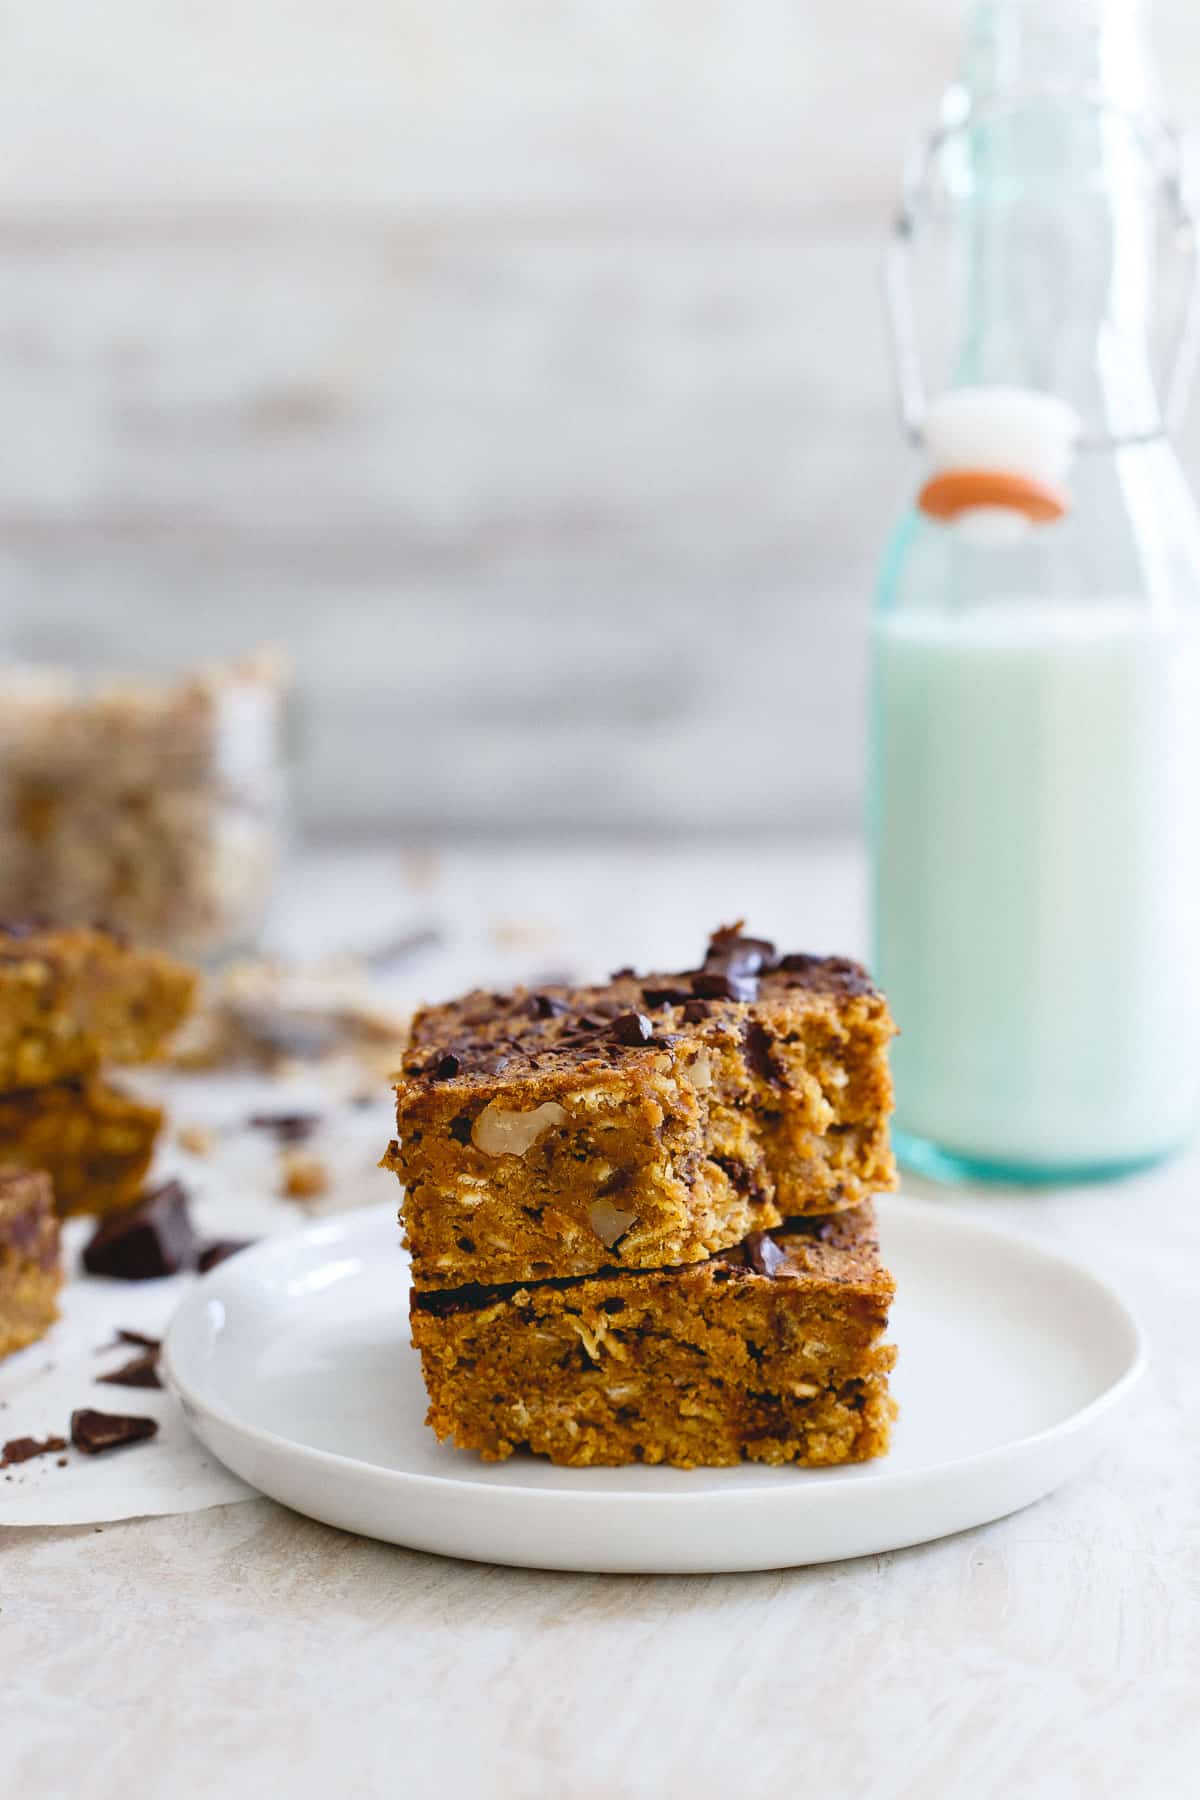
<point x="641" y="1215"/>
<point x="71" y="1000"/>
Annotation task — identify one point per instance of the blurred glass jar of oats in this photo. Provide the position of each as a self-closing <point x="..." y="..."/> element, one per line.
<point x="151" y="805"/>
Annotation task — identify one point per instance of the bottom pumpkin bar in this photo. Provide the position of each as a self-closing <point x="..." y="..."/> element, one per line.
<point x="93" y="1141"/>
<point x="30" y="1265"/>
<point x="771" y="1352"/>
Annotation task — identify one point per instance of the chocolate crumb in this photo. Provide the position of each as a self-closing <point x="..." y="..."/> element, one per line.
<point x="303" y="1176"/>
<point x="218" y="1250"/>
<point x="197" y="1140"/>
<point x="23" y="1449"/>
<point x="443" y="1068"/>
<point x="289" y="1128"/>
<point x="138" y="1337"/>
<point x="95" y="1432"/>
<point x="154" y="1238"/>
<point x="140" y="1372"/>
<point x="695" y="1011"/>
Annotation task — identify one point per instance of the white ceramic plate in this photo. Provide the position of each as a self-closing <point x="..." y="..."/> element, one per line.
<point x="293" y="1364"/>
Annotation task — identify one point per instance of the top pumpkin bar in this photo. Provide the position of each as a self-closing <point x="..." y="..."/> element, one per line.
<point x="73" y="997"/>
<point x="642" y="1124"/>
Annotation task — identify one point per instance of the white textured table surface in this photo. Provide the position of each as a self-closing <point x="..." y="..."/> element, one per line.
<point x="246" y="1651"/>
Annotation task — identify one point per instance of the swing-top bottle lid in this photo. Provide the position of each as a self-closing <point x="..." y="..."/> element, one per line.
<point x="998" y="458"/>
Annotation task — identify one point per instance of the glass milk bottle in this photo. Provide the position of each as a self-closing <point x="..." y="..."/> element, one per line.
<point x="1035" y="786"/>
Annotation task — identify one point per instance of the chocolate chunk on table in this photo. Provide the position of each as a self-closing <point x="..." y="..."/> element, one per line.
<point x="219" y="1250"/>
<point x="96" y="1432"/>
<point x="139" y="1372"/>
<point x="153" y="1239"/>
<point x="288" y="1127"/>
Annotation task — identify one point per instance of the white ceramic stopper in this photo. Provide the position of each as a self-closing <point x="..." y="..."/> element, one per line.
<point x="1016" y="430"/>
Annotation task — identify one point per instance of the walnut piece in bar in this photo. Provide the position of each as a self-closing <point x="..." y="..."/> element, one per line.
<point x="772" y="1352"/>
<point x="74" y="997"/>
<point x="30" y="1265"/>
<point x="641" y="1124"/>
<point x="93" y="1141"/>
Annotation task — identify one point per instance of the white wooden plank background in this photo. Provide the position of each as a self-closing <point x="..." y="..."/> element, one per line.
<point x="520" y="364"/>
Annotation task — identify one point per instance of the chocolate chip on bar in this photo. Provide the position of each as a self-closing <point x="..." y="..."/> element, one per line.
<point x="763" y="1254"/>
<point x="632" y="1028"/>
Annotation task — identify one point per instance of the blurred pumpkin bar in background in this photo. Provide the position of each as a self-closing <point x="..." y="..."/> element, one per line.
<point x="72" y="1000"/>
<point x="93" y="1141"/>
<point x="153" y="804"/>
<point x="74" y="997"/>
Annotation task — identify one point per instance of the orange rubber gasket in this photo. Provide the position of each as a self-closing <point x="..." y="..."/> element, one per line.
<point x="956" y="491"/>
